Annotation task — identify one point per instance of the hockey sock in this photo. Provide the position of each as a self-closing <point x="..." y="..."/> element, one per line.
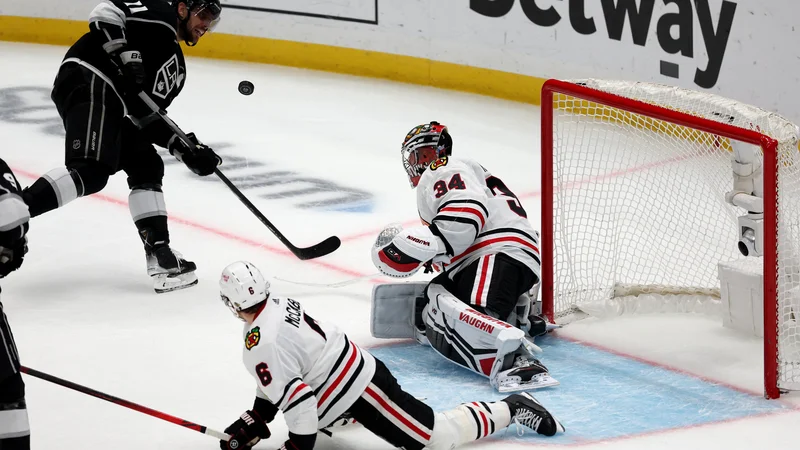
<point x="54" y="189"/>
<point x="153" y="231"/>
<point x="468" y="422"/>
<point x="149" y="213"/>
<point x="14" y="428"/>
<point x="60" y="186"/>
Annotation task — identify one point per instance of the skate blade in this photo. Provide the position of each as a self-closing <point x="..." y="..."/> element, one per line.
<point x="538" y="382"/>
<point x="164" y="283"/>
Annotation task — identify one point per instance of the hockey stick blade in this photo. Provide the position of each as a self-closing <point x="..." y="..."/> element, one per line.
<point x="315" y="251"/>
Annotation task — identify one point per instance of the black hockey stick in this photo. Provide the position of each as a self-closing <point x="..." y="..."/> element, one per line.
<point x="116" y="400"/>
<point x="315" y="251"/>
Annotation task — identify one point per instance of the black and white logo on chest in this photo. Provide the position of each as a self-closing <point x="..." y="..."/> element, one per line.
<point x="168" y="78"/>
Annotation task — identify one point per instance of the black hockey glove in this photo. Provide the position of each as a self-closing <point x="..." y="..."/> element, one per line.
<point x="201" y="159"/>
<point x="132" y="73"/>
<point x="245" y="432"/>
<point x="11" y="257"/>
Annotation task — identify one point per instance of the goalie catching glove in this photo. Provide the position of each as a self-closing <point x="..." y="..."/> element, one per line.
<point x="401" y="253"/>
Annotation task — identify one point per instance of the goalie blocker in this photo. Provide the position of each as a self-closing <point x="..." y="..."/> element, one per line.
<point x="479" y="342"/>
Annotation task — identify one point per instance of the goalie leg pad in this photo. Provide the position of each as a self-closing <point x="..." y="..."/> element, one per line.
<point x="466" y="336"/>
<point x="392" y="314"/>
<point x="483" y="344"/>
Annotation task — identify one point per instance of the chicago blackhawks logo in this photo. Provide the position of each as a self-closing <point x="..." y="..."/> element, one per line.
<point x="439" y="163"/>
<point x="252" y="338"/>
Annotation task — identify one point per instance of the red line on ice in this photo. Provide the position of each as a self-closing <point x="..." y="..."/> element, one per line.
<point x="221" y="233"/>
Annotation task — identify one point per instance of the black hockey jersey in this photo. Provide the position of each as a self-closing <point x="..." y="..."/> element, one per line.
<point x="146" y="26"/>
<point x="14" y="213"/>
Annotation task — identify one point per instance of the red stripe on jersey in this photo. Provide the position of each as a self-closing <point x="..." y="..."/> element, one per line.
<point x="467" y="210"/>
<point x="408" y="267"/>
<point x="338" y="380"/>
<point x="494" y="241"/>
<point x="386" y="406"/>
<point x="482" y="283"/>
<point x="485" y="423"/>
<point x="299" y="388"/>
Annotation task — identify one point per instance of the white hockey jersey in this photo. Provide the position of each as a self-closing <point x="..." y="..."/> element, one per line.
<point x="475" y="214"/>
<point x="310" y="370"/>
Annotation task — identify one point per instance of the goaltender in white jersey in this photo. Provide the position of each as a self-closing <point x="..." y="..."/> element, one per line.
<point x="314" y="374"/>
<point x="476" y="216"/>
<point x="475" y="230"/>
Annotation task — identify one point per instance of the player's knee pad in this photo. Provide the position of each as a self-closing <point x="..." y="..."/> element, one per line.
<point x="89" y="177"/>
<point x="12" y="389"/>
<point x="466" y="336"/>
<point x="146" y="200"/>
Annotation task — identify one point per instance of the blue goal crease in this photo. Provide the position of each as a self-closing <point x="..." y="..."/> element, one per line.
<point x="601" y="396"/>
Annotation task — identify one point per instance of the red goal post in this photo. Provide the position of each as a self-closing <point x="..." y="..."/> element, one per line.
<point x="609" y="117"/>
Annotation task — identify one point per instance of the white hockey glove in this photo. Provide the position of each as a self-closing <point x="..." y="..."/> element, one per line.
<point x="401" y="253"/>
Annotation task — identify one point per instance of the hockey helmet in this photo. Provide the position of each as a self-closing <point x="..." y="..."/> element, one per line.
<point x="208" y="11"/>
<point x="242" y="286"/>
<point x="423" y="145"/>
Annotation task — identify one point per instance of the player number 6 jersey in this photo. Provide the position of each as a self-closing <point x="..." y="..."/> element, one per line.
<point x="311" y="371"/>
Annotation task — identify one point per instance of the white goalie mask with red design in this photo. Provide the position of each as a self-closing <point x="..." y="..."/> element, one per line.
<point x="423" y="145"/>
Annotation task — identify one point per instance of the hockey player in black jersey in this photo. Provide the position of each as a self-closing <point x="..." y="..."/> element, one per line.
<point x="132" y="46"/>
<point x="14" y="428"/>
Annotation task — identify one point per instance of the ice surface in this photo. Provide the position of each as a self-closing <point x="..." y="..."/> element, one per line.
<point x="83" y="308"/>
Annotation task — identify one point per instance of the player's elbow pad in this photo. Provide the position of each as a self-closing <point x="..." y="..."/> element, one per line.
<point x="407" y="251"/>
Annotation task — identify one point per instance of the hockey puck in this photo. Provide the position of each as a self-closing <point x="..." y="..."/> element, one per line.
<point x="246" y="88"/>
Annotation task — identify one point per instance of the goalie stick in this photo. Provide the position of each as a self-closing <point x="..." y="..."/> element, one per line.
<point x="116" y="400"/>
<point x="325" y="247"/>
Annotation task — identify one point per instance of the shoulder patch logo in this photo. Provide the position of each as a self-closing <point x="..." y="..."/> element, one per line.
<point x="439" y="163"/>
<point x="253" y="338"/>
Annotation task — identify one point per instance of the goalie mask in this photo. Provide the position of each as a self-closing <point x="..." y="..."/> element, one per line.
<point x="242" y="286"/>
<point x="423" y="145"/>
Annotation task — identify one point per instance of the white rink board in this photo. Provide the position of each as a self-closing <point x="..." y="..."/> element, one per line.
<point x="757" y="63"/>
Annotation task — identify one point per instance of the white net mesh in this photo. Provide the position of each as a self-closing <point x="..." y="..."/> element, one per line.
<point x="639" y="206"/>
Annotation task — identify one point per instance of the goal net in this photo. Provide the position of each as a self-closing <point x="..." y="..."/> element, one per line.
<point x="634" y="206"/>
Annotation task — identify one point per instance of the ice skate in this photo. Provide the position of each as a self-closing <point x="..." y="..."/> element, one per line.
<point x="170" y="271"/>
<point x="528" y="412"/>
<point x="526" y="373"/>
